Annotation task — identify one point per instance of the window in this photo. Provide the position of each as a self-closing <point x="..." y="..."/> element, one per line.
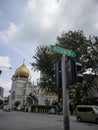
<point x="13" y="95"/>
<point x="85" y="109"/>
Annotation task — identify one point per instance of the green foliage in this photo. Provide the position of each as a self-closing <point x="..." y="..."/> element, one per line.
<point x="31" y="99"/>
<point x="1" y="102"/>
<point x="17" y="103"/>
<point x="75" y="41"/>
<point x="86" y="50"/>
<point x="41" y="108"/>
<point x="44" y="61"/>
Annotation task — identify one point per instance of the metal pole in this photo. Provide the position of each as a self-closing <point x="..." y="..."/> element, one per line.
<point x="65" y="94"/>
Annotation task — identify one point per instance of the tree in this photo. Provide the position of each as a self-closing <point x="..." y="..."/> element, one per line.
<point x="17" y="103"/>
<point x="86" y="51"/>
<point x="1" y="103"/>
<point x="44" y="61"/>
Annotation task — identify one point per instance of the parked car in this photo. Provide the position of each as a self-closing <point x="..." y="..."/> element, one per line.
<point x="7" y="108"/>
<point x="52" y="111"/>
<point x="87" y="113"/>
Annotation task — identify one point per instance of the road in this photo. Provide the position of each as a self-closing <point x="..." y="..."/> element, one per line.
<point x="33" y="121"/>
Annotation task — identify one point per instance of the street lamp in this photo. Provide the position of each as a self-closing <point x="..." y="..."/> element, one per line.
<point x="0" y="71"/>
<point x="6" y="67"/>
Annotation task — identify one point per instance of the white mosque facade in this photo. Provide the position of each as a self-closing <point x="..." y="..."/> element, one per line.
<point x="22" y="87"/>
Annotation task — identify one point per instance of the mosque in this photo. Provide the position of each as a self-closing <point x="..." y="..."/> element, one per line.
<point x="22" y="87"/>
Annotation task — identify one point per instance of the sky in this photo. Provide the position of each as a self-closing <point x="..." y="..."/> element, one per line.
<point x="26" y="24"/>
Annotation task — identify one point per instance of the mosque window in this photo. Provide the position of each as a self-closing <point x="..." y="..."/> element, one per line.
<point x="47" y="102"/>
<point x="13" y="95"/>
<point x="53" y="102"/>
<point x="34" y="92"/>
<point x="24" y="102"/>
<point x="24" y="92"/>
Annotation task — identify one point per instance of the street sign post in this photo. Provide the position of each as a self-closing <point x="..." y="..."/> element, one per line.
<point x="62" y="51"/>
<point x="65" y="94"/>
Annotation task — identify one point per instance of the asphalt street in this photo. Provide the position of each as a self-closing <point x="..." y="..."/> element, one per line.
<point x="34" y="121"/>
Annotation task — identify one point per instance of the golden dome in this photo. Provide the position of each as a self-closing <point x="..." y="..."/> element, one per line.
<point x="22" y="71"/>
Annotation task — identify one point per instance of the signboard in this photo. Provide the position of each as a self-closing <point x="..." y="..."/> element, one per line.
<point x="62" y="51"/>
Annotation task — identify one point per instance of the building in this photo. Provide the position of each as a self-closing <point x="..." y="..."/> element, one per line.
<point x="1" y="91"/>
<point x="22" y="87"/>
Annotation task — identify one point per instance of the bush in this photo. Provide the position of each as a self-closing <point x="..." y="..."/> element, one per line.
<point x="41" y="108"/>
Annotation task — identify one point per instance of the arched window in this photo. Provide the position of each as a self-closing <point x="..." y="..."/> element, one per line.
<point x="24" y="92"/>
<point x="53" y="102"/>
<point x="47" y="102"/>
<point x="13" y="95"/>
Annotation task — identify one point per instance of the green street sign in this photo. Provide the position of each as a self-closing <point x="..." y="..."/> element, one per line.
<point x="62" y="51"/>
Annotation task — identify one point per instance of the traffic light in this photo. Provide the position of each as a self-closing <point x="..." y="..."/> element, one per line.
<point x="58" y="74"/>
<point x="71" y="72"/>
<point x="74" y="72"/>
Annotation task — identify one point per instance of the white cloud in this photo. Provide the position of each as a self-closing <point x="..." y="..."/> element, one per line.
<point x="1" y="12"/>
<point x="35" y="75"/>
<point x="9" y="34"/>
<point x="6" y="85"/>
<point x="39" y="24"/>
<point x="12" y="29"/>
<point x="4" y="61"/>
<point x="44" y="20"/>
<point x="4" y="64"/>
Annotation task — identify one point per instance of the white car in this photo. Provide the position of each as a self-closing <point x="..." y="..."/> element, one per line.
<point x="7" y="108"/>
<point x="87" y="113"/>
